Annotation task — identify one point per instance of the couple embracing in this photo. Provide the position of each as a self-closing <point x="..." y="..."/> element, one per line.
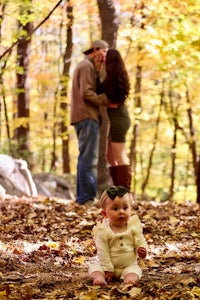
<point x="100" y="79"/>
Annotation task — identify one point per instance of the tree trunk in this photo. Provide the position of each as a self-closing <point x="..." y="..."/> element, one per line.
<point x="145" y="182"/>
<point x="192" y="141"/>
<point x="3" y="104"/>
<point x="64" y="106"/>
<point x="109" y="25"/>
<point x="198" y="182"/>
<point x="136" y="126"/>
<point x="192" y="144"/>
<point x="109" y="21"/>
<point x="22" y="131"/>
<point x="173" y="162"/>
<point x="138" y="7"/>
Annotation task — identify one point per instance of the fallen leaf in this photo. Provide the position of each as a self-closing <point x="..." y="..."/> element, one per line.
<point x="134" y="292"/>
<point x="195" y="291"/>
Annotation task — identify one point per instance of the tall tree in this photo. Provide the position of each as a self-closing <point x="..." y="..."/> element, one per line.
<point x="109" y="24"/>
<point x="154" y="142"/>
<point x="3" y="63"/>
<point x="63" y="93"/>
<point x="138" y="19"/>
<point x="193" y="146"/>
<point x="174" y="101"/>
<point x="198" y="183"/>
<point x="136" y="126"/>
<point x="23" y="98"/>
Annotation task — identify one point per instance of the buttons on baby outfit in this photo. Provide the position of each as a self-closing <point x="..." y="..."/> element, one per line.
<point x="121" y="244"/>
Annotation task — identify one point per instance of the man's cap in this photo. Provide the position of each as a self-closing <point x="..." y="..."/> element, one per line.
<point x="96" y="44"/>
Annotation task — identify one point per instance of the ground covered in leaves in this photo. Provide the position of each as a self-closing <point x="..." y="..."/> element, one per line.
<point x="46" y="246"/>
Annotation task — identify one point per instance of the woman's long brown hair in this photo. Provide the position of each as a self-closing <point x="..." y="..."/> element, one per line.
<point x="116" y="85"/>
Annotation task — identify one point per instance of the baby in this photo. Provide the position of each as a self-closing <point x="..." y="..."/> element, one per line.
<point x="119" y="240"/>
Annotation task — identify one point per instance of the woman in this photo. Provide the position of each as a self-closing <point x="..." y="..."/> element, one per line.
<point x="116" y="86"/>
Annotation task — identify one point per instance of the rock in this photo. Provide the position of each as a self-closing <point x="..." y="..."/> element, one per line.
<point x="16" y="179"/>
<point x="56" y="185"/>
<point x="2" y="193"/>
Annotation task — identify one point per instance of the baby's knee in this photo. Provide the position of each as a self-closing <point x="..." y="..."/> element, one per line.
<point x="134" y="268"/>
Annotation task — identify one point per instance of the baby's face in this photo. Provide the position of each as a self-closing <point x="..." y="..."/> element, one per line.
<point x="118" y="210"/>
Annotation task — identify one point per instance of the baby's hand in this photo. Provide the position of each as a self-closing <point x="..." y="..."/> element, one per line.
<point x="109" y="276"/>
<point x="142" y="252"/>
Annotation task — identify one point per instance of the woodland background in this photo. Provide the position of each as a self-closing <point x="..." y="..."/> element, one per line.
<point x="41" y="42"/>
<point x="46" y="242"/>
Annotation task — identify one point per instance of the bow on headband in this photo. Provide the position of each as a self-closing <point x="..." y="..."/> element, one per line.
<point x="116" y="191"/>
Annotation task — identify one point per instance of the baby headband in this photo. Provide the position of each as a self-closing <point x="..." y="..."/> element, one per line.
<point x="112" y="192"/>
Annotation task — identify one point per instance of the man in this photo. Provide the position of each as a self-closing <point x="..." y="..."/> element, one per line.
<point x="85" y="105"/>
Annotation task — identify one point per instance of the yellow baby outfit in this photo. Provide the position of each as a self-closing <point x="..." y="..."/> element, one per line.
<point x="117" y="251"/>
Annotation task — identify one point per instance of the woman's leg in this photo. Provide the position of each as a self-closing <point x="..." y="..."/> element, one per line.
<point x="120" y="170"/>
<point x="109" y="154"/>
<point x="116" y="154"/>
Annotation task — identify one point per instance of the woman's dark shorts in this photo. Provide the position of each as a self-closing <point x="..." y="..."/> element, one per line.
<point x="119" y="123"/>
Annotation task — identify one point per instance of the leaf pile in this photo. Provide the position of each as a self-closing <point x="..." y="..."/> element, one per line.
<point x="46" y="246"/>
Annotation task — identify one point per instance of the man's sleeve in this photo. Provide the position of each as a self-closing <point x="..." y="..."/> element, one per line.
<point x="88" y="87"/>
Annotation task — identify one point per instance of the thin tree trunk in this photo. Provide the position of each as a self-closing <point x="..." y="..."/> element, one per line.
<point x="137" y="7"/>
<point x="109" y="25"/>
<point x="174" y="113"/>
<point x="136" y="126"/>
<point x="192" y="141"/>
<point x="145" y="182"/>
<point x="64" y="84"/>
<point x="173" y="163"/>
<point x="22" y="132"/>
<point x="53" y="153"/>
<point x="198" y="182"/>
<point x="3" y="104"/>
<point x="3" y="94"/>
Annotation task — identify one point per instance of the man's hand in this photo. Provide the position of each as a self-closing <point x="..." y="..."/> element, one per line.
<point x="142" y="252"/>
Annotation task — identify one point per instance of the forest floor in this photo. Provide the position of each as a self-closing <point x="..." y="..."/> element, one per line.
<point x="46" y="246"/>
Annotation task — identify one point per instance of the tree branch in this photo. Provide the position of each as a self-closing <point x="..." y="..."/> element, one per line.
<point x="30" y="33"/>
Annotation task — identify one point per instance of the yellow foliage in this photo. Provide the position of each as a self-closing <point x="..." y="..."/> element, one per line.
<point x="21" y="122"/>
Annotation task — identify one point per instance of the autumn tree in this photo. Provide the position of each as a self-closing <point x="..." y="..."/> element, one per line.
<point x="62" y="92"/>
<point x="3" y="104"/>
<point x="64" y="89"/>
<point x="22" y="129"/>
<point x="109" y="25"/>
